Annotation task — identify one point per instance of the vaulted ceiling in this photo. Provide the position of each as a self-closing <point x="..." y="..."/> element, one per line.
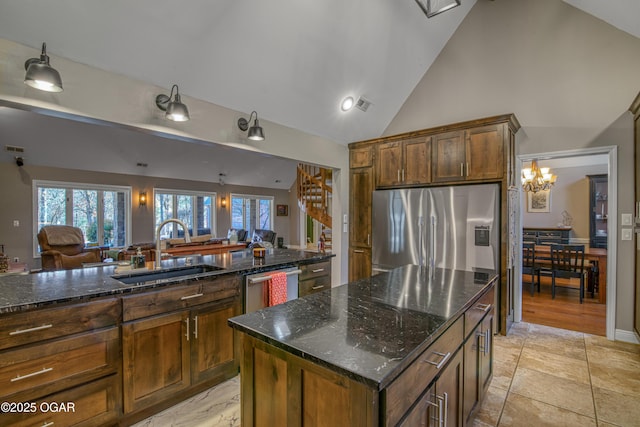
<point x="292" y="61"/>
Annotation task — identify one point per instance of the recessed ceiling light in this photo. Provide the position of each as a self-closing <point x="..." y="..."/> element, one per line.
<point x="347" y="104"/>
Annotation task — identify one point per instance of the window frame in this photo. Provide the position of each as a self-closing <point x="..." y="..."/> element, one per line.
<point x="71" y="186"/>
<point x="192" y="193"/>
<point x="256" y="197"/>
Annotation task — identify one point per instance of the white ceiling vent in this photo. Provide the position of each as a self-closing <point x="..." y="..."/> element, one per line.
<point x="14" y="149"/>
<point x="363" y="104"/>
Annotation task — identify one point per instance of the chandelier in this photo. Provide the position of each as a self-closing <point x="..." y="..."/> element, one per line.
<point x="536" y="179"/>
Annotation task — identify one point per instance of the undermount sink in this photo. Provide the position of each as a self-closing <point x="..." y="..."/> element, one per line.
<point x="149" y="276"/>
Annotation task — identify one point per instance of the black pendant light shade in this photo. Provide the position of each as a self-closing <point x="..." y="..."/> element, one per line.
<point x="175" y="110"/>
<point x="41" y="75"/>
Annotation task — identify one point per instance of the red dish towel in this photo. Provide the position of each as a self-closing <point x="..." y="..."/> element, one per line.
<point x="277" y="289"/>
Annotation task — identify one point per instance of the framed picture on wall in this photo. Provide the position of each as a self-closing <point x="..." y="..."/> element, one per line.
<point x="282" y="210"/>
<point x="539" y="202"/>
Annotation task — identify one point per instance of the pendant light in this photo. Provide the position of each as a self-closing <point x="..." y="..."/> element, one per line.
<point x="536" y="179"/>
<point x="175" y="110"/>
<point x="255" y="132"/>
<point x="41" y="75"/>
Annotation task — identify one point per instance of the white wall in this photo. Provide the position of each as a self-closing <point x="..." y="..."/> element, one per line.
<point x="568" y="77"/>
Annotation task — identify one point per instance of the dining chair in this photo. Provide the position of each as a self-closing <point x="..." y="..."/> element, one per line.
<point x="567" y="262"/>
<point x="529" y="264"/>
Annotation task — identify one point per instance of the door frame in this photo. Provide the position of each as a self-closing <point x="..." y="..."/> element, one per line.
<point x="612" y="236"/>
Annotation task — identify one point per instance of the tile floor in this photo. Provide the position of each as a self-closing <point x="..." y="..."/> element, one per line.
<point x="543" y="376"/>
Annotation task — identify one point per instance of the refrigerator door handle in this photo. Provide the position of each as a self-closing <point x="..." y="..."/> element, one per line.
<point x="432" y="257"/>
<point x="421" y="233"/>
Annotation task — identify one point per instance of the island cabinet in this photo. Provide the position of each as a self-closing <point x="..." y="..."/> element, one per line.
<point x="478" y="352"/>
<point x="360" y="177"/>
<point x="369" y="361"/>
<point x="68" y="354"/>
<point x="314" y="278"/>
<point x="404" y="162"/>
<point x="177" y="338"/>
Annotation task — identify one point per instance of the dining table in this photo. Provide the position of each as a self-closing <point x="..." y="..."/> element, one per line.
<point x="597" y="255"/>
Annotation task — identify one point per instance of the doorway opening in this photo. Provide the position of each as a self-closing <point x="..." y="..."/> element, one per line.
<point x="574" y="214"/>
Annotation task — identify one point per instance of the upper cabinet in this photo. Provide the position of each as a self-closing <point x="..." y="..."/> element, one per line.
<point x="403" y="163"/>
<point x="472" y="154"/>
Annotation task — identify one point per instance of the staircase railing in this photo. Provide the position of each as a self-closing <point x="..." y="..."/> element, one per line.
<point x="315" y="192"/>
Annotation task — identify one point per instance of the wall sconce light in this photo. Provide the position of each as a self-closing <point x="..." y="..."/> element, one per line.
<point x="255" y="131"/>
<point x="175" y="110"/>
<point x="41" y="75"/>
<point x="142" y="198"/>
<point x="433" y="7"/>
<point x="223" y="202"/>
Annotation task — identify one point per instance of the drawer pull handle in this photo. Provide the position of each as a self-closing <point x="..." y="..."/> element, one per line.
<point x="317" y="270"/>
<point x="315" y="288"/>
<point x="483" y="307"/>
<point x="50" y="423"/>
<point x="191" y="296"/>
<point x="24" y="331"/>
<point x="358" y="251"/>
<point x="445" y="357"/>
<point x="32" y="374"/>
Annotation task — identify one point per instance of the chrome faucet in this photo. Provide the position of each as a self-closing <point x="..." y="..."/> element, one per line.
<point x="187" y="237"/>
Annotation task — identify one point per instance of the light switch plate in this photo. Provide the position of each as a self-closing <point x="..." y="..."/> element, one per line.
<point x="627" y="219"/>
<point x="627" y="233"/>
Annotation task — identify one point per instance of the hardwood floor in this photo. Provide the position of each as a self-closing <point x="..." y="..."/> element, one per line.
<point x="565" y="311"/>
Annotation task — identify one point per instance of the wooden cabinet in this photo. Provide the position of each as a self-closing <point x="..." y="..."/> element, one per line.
<point x="176" y="338"/>
<point x="314" y="278"/>
<point x="598" y="213"/>
<point x="62" y="351"/>
<point x="360" y="200"/>
<point x="359" y="263"/>
<point x="478" y="352"/>
<point x="472" y="154"/>
<point x="403" y="163"/>
<point x="441" y="404"/>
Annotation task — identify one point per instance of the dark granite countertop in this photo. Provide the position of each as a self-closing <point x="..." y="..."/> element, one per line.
<point x="371" y="329"/>
<point x="22" y="292"/>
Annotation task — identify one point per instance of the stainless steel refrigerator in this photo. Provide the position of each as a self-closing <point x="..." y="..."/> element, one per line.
<point x="456" y="227"/>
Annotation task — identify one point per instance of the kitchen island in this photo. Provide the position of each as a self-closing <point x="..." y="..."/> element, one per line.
<point x="401" y="348"/>
<point x="121" y="346"/>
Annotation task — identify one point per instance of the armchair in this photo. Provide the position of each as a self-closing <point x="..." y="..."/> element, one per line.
<point x="263" y="236"/>
<point x="62" y="248"/>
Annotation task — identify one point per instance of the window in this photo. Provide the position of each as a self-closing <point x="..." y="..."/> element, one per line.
<point x="251" y="212"/>
<point x="103" y="213"/>
<point x="187" y="206"/>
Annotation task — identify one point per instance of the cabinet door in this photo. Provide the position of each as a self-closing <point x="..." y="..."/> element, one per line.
<point x="155" y="359"/>
<point x="484" y="152"/>
<point x="212" y="341"/>
<point x="448" y="157"/>
<point x="361" y="184"/>
<point x="417" y="161"/>
<point x="441" y="404"/>
<point x="471" y="372"/>
<point x="359" y="263"/>
<point x="389" y="164"/>
<point x="485" y="355"/>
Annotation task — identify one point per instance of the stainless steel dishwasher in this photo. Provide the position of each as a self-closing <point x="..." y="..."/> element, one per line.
<point x="254" y="288"/>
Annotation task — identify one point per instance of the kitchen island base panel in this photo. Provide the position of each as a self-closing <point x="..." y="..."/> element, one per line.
<point x="279" y="388"/>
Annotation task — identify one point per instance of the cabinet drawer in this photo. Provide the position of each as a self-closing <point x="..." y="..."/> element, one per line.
<point x="406" y="389"/>
<point x="41" y="369"/>
<point x="314" y="270"/>
<point x="92" y="404"/>
<point x="314" y="285"/>
<point x="474" y="315"/>
<point x="178" y="297"/>
<point x="37" y="325"/>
